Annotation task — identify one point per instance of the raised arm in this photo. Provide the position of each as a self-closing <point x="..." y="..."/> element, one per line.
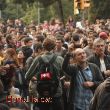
<point x="68" y="68"/>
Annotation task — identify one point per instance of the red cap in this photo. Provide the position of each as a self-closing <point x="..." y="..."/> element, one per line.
<point x="103" y="35"/>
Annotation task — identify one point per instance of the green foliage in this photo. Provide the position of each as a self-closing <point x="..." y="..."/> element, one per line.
<point x="2" y="4"/>
<point x="28" y="9"/>
<point x="67" y="8"/>
<point x="31" y="14"/>
<point x="13" y="11"/>
<point x="47" y="3"/>
<point x="99" y="9"/>
<point x="20" y="1"/>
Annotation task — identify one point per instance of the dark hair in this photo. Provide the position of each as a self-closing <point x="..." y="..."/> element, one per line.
<point x="1" y="47"/>
<point x="27" y="51"/>
<point x="49" y="44"/>
<point x="27" y="39"/>
<point x="8" y="37"/>
<point x="40" y="38"/>
<point x="59" y="37"/>
<point x="75" y="37"/>
<point x="37" y="47"/>
<point x="85" y="43"/>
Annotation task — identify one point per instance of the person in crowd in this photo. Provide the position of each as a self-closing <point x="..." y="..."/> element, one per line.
<point x="76" y="40"/>
<point x="39" y="39"/>
<point x="71" y="21"/>
<point x="60" y="50"/>
<point x="85" y="77"/>
<point x="1" y="54"/>
<point x="27" y="41"/>
<point x="52" y="24"/>
<point x="49" y="46"/>
<point x="103" y="35"/>
<point x="100" y="58"/>
<point x="89" y="48"/>
<point x="21" y="59"/>
<point x="38" y="50"/>
<point x="5" y="97"/>
<point x="101" y="100"/>
<point x="25" y="38"/>
<point x="26" y="48"/>
<point x="67" y="37"/>
<point x="11" y="62"/>
<point x="83" y="42"/>
<point x="21" y="82"/>
<point x="107" y="49"/>
<point x="10" y="43"/>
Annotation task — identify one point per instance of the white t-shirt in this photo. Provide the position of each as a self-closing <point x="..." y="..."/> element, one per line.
<point x="102" y="65"/>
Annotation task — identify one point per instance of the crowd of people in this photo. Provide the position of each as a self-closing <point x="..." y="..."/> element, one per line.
<point x="83" y="62"/>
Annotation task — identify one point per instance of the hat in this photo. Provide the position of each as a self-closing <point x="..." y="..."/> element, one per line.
<point x="103" y="35"/>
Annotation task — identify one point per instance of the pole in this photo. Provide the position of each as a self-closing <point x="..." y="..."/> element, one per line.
<point x="38" y="13"/>
<point x="17" y="9"/>
<point x="0" y="14"/>
<point x="83" y="15"/>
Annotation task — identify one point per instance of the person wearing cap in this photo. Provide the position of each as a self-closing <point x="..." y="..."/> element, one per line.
<point x="103" y="35"/>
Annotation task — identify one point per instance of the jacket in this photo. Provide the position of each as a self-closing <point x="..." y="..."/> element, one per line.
<point x="101" y="100"/>
<point x="72" y="71"/>
<point x="95" y="59"/>
<point x="46" y="57"/>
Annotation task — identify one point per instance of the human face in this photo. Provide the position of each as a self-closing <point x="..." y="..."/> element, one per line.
<point x="100" y="48"/>
<point x="80" y="55"/>
<point x="108" y="47"/>
<point x="29" y="43"/>
<point x="58" y="43"/>
<point x="90" y="41"/>
<point x="20" y="54"/>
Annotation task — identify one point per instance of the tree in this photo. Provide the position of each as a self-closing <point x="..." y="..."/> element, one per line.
<point x="47" y="3"/>
<point x="99" y="9"/>
<point x="13" y="11"/>
<point x="27" y="9"/>
<point x="2" y="4"/>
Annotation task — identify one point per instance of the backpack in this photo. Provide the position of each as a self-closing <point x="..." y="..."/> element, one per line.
<point x="47" y="78"/>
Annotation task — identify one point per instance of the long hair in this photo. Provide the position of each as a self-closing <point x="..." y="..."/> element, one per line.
<point x="11" y="53"/>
